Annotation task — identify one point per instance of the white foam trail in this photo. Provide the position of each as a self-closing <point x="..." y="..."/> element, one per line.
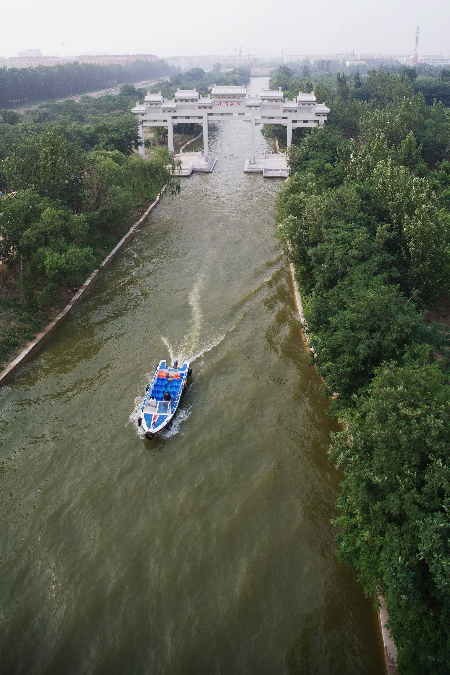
<point x="190" y="342"/>
<point x="169" y="349"/>
<point x="175" y="427"/>
<point x="210" y="346"/>
<point x="197" y="315"/>
<point x="133" y="418"/>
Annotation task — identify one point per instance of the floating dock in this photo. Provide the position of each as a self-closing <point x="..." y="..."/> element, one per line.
<point x="270" y="164"/>
<point x="194" y="162"/>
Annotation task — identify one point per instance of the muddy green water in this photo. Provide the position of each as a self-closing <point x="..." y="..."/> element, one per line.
<point x="208" y="551"/>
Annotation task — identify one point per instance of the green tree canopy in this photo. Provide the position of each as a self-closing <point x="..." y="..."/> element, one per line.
<point x="393" y="509"/>
<point x="49" y="163"/>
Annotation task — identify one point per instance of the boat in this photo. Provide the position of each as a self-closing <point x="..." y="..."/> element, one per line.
<point x="162" y="397"/>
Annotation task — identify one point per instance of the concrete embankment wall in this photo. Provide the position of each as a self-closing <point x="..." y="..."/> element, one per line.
<point x="39" y="339"/>
<point x="390" y="650"/>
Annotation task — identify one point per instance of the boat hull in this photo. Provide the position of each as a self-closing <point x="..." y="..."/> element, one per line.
<point x="162" y="398"/>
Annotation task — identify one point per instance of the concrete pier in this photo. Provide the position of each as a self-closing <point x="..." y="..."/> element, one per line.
<point x="270" y="164"/>
<point x="188" y="163"/>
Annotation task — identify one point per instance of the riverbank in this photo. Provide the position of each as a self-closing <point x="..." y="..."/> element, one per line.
<point x="389" y="647"/>
<point x="38" y="340"/>
<point x="364" y="296"/>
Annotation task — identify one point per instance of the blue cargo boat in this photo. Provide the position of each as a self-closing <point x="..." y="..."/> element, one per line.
<point x="162" y="397"/>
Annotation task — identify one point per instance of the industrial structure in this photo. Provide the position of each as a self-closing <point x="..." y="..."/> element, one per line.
<point x="229" y="102"/>
<point x="416" y="46"/>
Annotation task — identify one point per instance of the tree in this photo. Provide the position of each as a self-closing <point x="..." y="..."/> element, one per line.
<point x="383" y="87"/>
<point x="129" y="90"/>
<point x="410" y="154"/>
<point x="281" y="78"/>
<point x="416" y="229"/>
<point x="345" y="117"/>
<point x="17" y="215"/>
<point x="67" y="267"/>
<point x="357" y="325"/>
<point x="392" y="520"/>
<point x="50" y="164"/>
<point x="322" y="150"/>
<point x="342" y="88"/>
<point x="368" y="227"/>
<point x="20" y="85"/>
<point x="9" y="116"/>
<point x="409" y="74"/>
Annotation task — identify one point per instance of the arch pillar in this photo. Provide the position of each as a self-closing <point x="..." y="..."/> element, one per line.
<point x="289" y="134"/>
<point x="252" y="126"/>
<point x="205" y="134"/>
<point x="170" y="143"/>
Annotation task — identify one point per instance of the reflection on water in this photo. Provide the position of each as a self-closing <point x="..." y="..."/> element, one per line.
<point x="210" y="549"/>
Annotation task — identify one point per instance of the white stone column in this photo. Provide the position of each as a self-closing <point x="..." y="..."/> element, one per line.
<point x="252" y="125"/>
<point x="141" y="146"/>
<point x="205" y="134"/>
<point x="170" y="135"/>
<point x="289" y="134"/>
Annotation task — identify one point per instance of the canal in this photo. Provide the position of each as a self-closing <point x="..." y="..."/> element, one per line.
<point x="210" y="550"/>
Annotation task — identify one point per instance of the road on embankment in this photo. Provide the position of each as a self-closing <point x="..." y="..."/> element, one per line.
<point x="209" y="550"/>
<point x="92" y="94"/>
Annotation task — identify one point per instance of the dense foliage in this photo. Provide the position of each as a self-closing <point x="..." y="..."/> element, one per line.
<point x="72" y="184"/>
<point x="25" y="85"/>
<point x="367" y="219"/>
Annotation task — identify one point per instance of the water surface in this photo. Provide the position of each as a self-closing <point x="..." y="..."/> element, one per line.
<point x="209" y="550"/>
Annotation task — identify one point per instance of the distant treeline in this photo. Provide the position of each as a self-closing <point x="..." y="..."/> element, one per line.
<point x="372" y="86"/>
<point x="26" y="85"/>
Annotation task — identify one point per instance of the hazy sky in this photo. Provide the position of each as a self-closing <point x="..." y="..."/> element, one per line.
<point x="177" y="27"/>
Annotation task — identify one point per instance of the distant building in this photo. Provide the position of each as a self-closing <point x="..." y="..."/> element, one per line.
<point x="113" y="59"/>
<point x="31" y="61"/>
<point x="355" y="63"/>
<point x="307" y="99"/>
<point x="154" y="99"/>
<point x="435" y="59"/>
<point x="27" y="59"/>
<point x="187" y="95"/>
<point x="271" y="95"/>
<point x="27" y="53"/>
<point x="228" y="93"/>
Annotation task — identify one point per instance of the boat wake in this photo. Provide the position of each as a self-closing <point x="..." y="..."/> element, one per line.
<point x="175" y="427"/>
<point x="172" y="356"/>
<point x="133" y="418"/>
<point x="190" y="342"/>
<point x="190" y="350"/>
<point x="186" y="356"/>
<point x="197" y="314"/>
<point x="211" y="345"/>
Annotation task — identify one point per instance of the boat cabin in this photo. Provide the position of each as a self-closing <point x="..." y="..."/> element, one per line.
<point x="154" y="407"/>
